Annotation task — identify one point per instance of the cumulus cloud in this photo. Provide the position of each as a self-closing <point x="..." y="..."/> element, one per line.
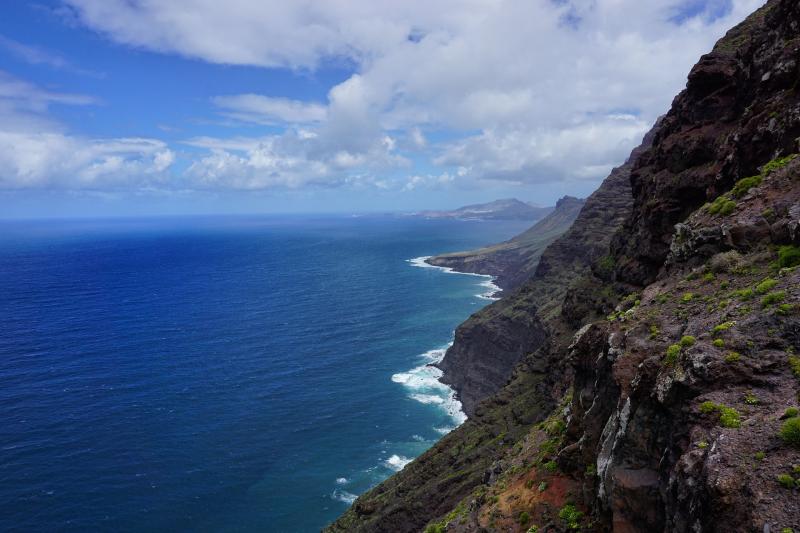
<point x="532" y="91"/>
<point x="35" y="151"/>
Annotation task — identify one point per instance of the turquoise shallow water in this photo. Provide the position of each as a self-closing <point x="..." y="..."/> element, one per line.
<point x="220" y="374"/>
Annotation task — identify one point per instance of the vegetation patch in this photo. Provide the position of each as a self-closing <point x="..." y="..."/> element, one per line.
<point x="790" y="432"/>
<point x="788" y="256"/>
<point x="571" y="516"/>
<point x="744" y="185"/>
<point x="687" y="340"/>
<point x="722" y="206"/>
<point x="732" y="357"/>
<point x="773" y="298"/>
<point x="719" y="343"/>
<point x="766" y="285"/>
<point x="728" y="416"/>
<point x="673" y="352"/>
<point x="725" y="326"/>
<point x="777" y="163"/>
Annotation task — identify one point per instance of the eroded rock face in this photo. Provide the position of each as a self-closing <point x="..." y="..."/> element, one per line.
<point x="739" y="110"/>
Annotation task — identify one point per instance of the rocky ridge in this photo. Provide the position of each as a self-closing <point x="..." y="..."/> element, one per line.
<point x="514" y="261"/>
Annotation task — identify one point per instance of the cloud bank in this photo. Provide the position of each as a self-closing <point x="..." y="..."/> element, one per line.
<point x="516" y="91"/>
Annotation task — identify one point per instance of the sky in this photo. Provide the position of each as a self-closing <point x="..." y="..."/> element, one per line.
<point x="172" y="107"/>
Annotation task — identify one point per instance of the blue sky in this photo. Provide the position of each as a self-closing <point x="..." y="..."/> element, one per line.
<point x="145" y="107"/>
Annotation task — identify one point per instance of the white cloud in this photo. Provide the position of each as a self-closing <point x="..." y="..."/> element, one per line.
<point x="261" y="109"/>
<point x="536" y="90"/>
<point x="35" y="151"/>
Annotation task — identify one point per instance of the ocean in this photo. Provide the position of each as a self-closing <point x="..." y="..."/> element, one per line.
<point x="221" y="373"/>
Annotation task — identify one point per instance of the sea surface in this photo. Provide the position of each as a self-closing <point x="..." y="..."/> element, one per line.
<point x="221" y="374"/>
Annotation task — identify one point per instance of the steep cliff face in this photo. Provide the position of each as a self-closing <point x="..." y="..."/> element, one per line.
<point x="513" y="262"/>
<point x="490" y="344"/>
<point x="679" y="410"/>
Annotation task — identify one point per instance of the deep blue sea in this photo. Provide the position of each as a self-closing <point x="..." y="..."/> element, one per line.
<point x="220" y="374"/>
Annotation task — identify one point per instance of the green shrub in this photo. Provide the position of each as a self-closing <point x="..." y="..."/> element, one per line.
<point x="571" y="515"/>
<point x="773" y="298"/>
<point x="551" y="466"/>
<point x="672" y="354"/>
<point x="654" y="331"/>
<point x="524" y="518"/>
<point x="788" y="256"/>
<point x="777" y="163"/>
<point x="790" y="432"/>
<point x="794" y="364"/>
<point x="435" y="528"/>
<point x="786" y="481"/>
<point x="784" y="309"/>
<point x="543" y="486"/>
<point x="722" y="205"/>
<point x="751" y="399"/>
<point x="744" y="185"/>
<point x="719" y="343"/>
<point x="791" y="412"/>
<point x="732" y="357"/>
<point x="765" y="286"/>
<point x="687" y="297"/>
<point x="687" y="340"/>
<point x="708" y="276"/>
<point x="708" y="407"/>
<point x="744" y="294"/>
<point x="702" y="445"/>
<point x="725" y="326"/>
<point x="760" y="456"/>
<point x="729" y="417"/>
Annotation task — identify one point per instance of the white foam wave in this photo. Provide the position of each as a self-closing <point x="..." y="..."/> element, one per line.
<point x="491" y="288"/>
<point x="424" y="385"/>
<point x="444" y="430"/>
<point x="397" y="462"/>
<point x="343" y="496"/>
<point x="342" y="481"/>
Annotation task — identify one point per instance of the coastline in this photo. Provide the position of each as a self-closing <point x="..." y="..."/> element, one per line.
<point x="424" y="381"/>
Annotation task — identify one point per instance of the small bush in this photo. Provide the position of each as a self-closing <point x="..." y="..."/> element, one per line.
<point x="708" y="276"/>
<point x="732" y="357"/>
<point x="777" y="163"/>
<point x="702" y="445"/>
<point x="784" y="309"/>
<point x="708" y="407"/>
<point x="744" y="294"/>
<point x="786" y="481"/>
<point x="751" y="399"/>
<point x="551" y="466"/>
<point x="790" y="432"/>
<point x="725" y="326"/>
<point x="788" y="256"/>
<point x="672" y="354"/>
<point x="744" y="185"/>
<point x="729" y="417"/>
<point x="571" y="515"/>
<point x="760" y="456"/>
<point x="542" y="486"/>
<point x="719" y="343"/>
<point x="722" y="206"/>
<point x="773" y="298"/>
<point x="687" y="297"/>
<point x="654" y="331"/>
<point x="765" y="286"/>
<point x="794" y="364"/>
<point x="791" y="412"/>
<point x="687" y="340"/>
<point x="524" y="518"/>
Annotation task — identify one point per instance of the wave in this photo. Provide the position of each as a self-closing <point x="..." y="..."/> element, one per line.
<point x="397" y="462"/>
<point x="491" y="288"/>
<point x="344" y="496"/>
<point x="424" y="385"/>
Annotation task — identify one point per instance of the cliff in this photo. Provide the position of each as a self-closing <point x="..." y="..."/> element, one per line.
<point x="514" y="261"/>
<point x="660" y="390"/>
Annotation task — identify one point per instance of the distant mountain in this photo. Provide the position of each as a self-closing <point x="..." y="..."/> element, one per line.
<point x="515" y="260"/>
<point x="507" y="209"/>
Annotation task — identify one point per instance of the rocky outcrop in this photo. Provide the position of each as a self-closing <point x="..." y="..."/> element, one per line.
<point x="514" y="261"/>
